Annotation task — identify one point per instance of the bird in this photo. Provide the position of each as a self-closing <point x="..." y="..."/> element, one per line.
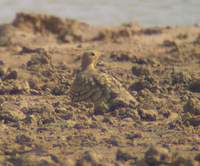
<point x="99" y="88"/>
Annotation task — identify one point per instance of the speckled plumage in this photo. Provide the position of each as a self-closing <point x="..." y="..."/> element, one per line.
<point x="103" y="90"/>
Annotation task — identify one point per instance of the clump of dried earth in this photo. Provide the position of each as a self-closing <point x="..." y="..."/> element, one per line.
<point x="39" y="125"/>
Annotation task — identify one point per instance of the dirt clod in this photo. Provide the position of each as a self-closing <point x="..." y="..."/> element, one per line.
<point x="158" y="155"/>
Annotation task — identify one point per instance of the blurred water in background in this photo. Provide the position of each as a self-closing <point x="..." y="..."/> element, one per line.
<point x="110" y="12"/>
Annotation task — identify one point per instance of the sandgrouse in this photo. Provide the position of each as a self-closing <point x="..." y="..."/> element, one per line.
<point x="103" y="90"/>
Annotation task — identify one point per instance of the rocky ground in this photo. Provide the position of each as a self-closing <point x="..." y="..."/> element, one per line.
<point x="40" y="126"/>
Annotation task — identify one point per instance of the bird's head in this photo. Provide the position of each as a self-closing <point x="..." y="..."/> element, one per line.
<point x="89" y="59"/>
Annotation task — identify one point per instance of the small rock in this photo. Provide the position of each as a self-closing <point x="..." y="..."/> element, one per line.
<point x="194" y="120"/>
<point x="11" y="74"/>
<point x="180" y="78"/>
<point x="148" y="82"/>
<point x="182" y="36"/>
<point x="40" y="58"/>
<point x="139" y="85"/>
<point x="120" y="56"/>
<point x="1" y="63"/>
<point x="194" y="86"/>
<point x="197" y="157"/>
<point x="193" y="106"/>
<point x="31" y="160"/>
<point x="10" y="113"/>
<point x="34" y="84"/>
<point x="126" y="113"/>
<point x="152" y="31"/>
<point x="89" y="159"/>
<point x="168" y="43"/>
<point x="114" y="140"/>
<point x="35" y="92"/>
<point x="70" y="35"/>
<point x="23" y="140"/>
<point x="30" y="119"/>
<point x="133" y="136"/>
<point x="44" y="113"/>
<point x="60" y="90"/>
<point x="124" y="155"/>
<point x="148" y="115"/>
<point x="156" y="155"/>
<point x="182" y="161"/>
<point x="140" y="70"/>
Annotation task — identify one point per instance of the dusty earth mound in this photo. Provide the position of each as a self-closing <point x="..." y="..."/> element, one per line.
<point x="40" y="125"/>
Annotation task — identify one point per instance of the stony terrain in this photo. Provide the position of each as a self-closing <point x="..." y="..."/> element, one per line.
<point x="41" y="126"/>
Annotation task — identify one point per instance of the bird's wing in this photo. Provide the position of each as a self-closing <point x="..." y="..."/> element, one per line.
<point x="114" y="87"/>
<point x="84" y="88"/>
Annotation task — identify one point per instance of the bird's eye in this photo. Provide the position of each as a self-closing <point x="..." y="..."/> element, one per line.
<point x="92" y="54"/>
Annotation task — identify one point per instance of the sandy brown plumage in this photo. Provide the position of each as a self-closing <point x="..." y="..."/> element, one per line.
<point x="103" y="90"/>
